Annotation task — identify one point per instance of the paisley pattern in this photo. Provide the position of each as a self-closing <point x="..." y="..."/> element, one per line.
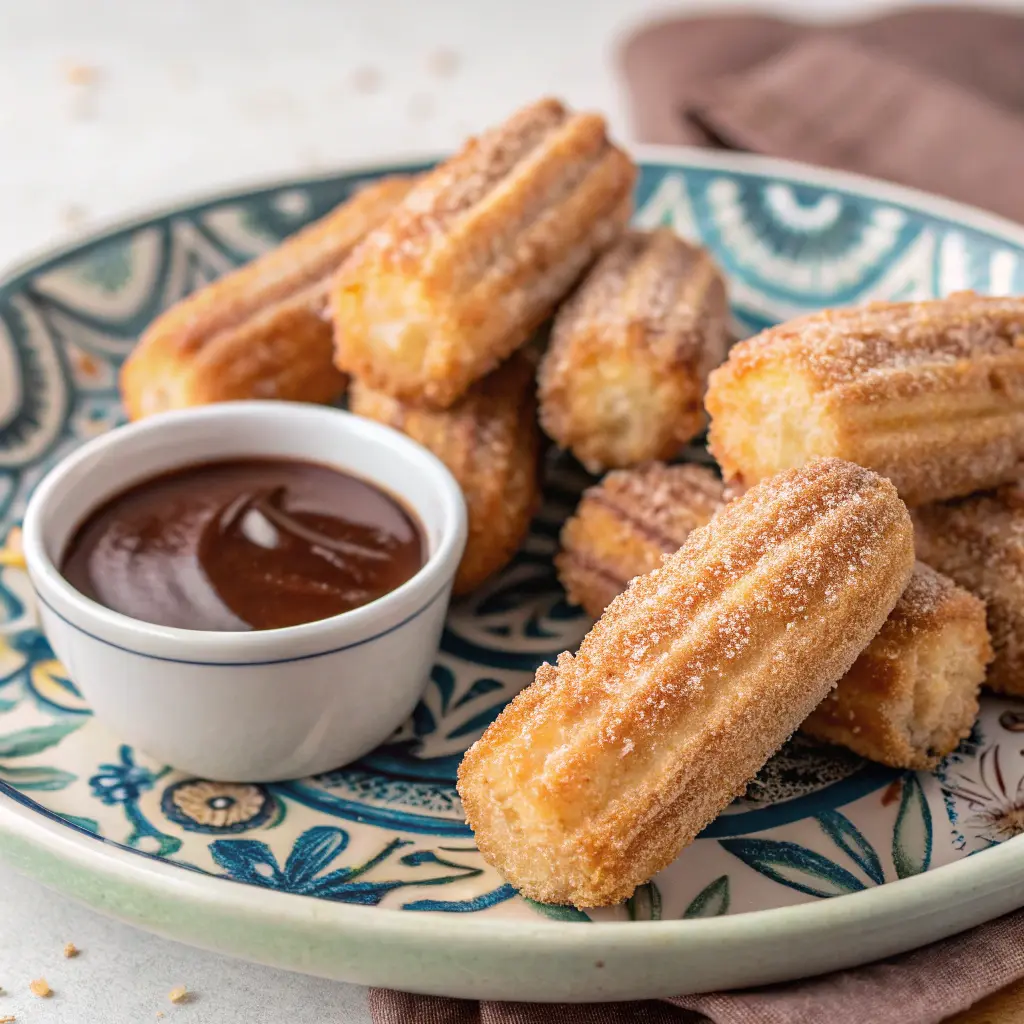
<point x="388" y="830"/>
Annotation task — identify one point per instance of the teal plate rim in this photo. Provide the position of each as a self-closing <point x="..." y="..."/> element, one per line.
<point x="381" y="946"/>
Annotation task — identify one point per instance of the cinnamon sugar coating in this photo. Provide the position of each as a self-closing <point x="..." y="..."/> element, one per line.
<point x="479" y="254"/>
<point x="928" y="394"/>
<point x="627" y="524"/>
<point x="979" y="542"/>
<point x="909" y="698"/>
<point x="912" y="695"/>
<point x="262" y="330"/>
<point x="630" y="353"/>
<point x="600" y="772"/>
<point x="491" y="443"/>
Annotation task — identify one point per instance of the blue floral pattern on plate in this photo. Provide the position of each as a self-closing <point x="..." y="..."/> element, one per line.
<point x="388" y="830"/>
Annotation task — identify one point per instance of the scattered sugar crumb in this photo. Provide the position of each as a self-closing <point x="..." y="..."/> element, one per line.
<point x="160" y="1014"/>
<point x="40" y="988"/>
<point x="367" y="79"/>
<point x="83" y="78"/>
<point x="70" y="950"/>
<point x="73" y="216"/>
<point x="443" y="62"/>
<point x="179" y="995"/>
<point x="420" y="107"/>
<point x="80" y="74"/>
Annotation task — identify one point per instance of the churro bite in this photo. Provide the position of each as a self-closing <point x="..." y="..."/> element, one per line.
<point x="912" y="695"/>
<point x="979" y="542"/>
<point x="479" y="253"/>
<point x="491" y="443"/>
<point x="909" y="698"/>
<point x="261" y="331"/>
<point x="625" y="526"/>
<point x="928" y="394"/>
<point x="598" y="774"/>
<point x="623" y="379"/>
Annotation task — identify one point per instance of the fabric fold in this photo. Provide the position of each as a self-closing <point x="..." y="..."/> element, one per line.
<point x="925" y="986"/>
<point x="833" y="102"/>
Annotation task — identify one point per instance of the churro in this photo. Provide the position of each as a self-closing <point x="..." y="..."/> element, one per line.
<point x="490" y="442"/>
<point x="262" y="330"/>
<point x="626" y="525"/>
<point x="623" y="379"/>
<point x="479" y="253"/>
<point x="600" y="772"/>
<point x="928" y="394"/>
<point x="979" y="542"/>
<point x="913" y="694"/>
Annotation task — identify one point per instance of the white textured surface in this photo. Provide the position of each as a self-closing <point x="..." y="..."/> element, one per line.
<point x="189" y="96"/>
<point x="122" y="975"/>
<point x="113" y="105"/>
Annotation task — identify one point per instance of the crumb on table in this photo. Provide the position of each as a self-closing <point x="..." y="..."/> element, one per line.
<point x="366" y="80"/>
<point x="443" y="62"/>
<point x="70" y="950"/>
<point x="40" y="988"/>
<point x="178" y="995"/>
<point x="81" y="74"/>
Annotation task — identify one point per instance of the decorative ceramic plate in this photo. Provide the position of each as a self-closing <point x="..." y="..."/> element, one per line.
<point x="369" y="873"/>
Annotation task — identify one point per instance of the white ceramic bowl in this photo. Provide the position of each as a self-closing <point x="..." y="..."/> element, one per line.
<point x="261" y="705"/>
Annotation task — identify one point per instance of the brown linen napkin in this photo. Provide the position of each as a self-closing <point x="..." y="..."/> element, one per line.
<point x="922" y="987"/>
<point x="669" y="66"/>
<point x="827" y="100"/>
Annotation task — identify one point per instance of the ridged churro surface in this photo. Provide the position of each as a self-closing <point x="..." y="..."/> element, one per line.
<point x="979" y="542"/>
<point x="909" y="698"/>
<point x="625" y="525"/>
<point x="928" y="394"/>
<point x="623" y="378"/>
<point x="479" y="254"/>
<point x="491" y="443"/>
<point x="912" y="695"/>
<point x="262" y="330"/>
<point x="600" y="772"/>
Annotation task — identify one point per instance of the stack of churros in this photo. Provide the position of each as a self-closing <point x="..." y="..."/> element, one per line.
<point x="458" y="279"/>
<point x="910" y="697"/>
<point x="731" y="611"/>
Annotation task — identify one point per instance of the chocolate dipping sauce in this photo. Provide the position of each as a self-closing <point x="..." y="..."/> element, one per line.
<point x="244" y="544"/>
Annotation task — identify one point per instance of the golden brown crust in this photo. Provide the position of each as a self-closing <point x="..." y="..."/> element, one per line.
<point x="479" y="254"/>
<point x="979" y="542"/>
<point x="623" y="378"/>
<point x="929" y="394"/>
<point x="491" y="443"/>
<point x="600" y="772"/>
<point x="912" y="695"/>
<point x="626" y="525"/>
<point x="260" y="331"/>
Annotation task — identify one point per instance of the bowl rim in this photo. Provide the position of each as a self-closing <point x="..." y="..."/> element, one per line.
<point x="351" y="628"/>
